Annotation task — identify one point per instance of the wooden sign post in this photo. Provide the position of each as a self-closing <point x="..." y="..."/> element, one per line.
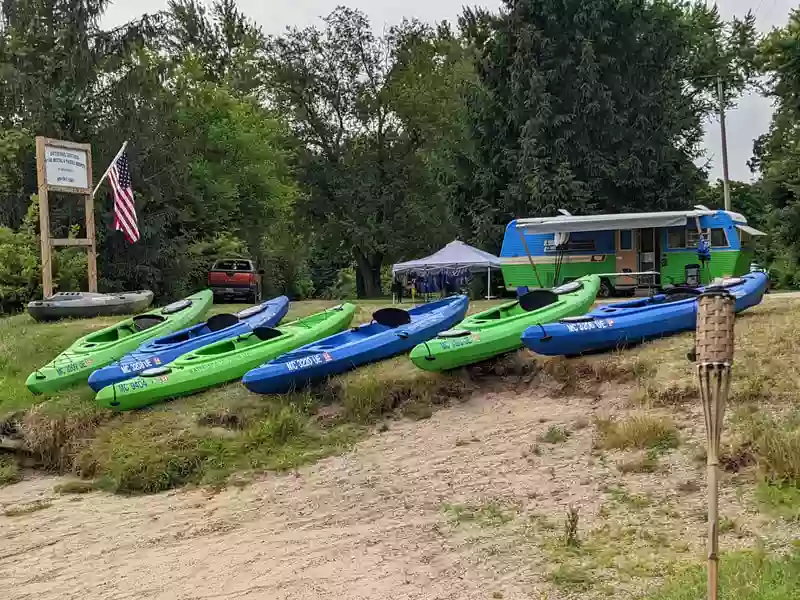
<point x="65" y="167"/>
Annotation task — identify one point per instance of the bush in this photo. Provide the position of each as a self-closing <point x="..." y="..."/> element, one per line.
<point x="639" y="431"/>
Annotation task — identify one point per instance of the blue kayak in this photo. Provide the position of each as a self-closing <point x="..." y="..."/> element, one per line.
<point x="161" y="351"/>
<point x="392" y="331"/>
<point x="628" y="323"/>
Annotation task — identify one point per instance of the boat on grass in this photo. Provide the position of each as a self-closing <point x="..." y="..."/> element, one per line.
<point x="392" y="331"/>
<point x="223" y="361"/>
<point x="101" y="348"/>
<point x="497" y="331"/>
<point x="165" y="349"/>
<point x="627" y="323"/>
<point x="88" y="305"/>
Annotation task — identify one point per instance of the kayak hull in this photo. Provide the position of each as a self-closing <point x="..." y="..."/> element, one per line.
<point x="497" y="331"/>
<point x="345" y="351"/>
<point x="628" y="323"/>
<point x="163" y="350"/>
<point x="222" y="361"/>
<point x="101" y="348"/>
<point x="87" y="305"/>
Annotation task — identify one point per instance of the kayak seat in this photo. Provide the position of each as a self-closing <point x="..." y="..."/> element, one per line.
<point x="536" y="299"/>
<point x="677" y="294"/>
<point x="681" y="290"/>
<point x="267" y="333"/>
<point x="221" y="321"/>
<point x="143" y="322"/>
<point x="391" y="317"/>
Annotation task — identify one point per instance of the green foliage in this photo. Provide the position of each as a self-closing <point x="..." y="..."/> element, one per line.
<point x="743" y="575"/>
<point x="566" y="119"/>
<point x="777" y="153"/>
<point x="356" y="103"/>
<point x="9" y="471"/>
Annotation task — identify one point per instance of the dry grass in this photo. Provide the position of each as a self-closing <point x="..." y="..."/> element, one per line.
<point x="9" y="470"/>
<point x="638" y="431"/>
<point x="26" y="509"/>
<point x="76" y="486"/>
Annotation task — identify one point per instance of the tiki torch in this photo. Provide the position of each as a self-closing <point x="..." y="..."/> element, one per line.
<point x="714" y="354"/>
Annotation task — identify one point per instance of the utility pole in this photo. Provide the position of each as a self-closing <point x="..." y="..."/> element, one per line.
<point x="726" y="186"/>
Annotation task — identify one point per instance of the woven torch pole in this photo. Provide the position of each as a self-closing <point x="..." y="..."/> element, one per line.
<point x="714" y="352"/>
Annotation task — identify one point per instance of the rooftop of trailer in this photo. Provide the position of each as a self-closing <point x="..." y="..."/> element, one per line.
<point x="571" y="223"/>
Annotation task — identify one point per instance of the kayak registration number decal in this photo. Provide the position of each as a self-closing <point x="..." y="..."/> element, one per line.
<point x="590" y="325"/>
<point x="74" y="367"/>
<point x="458" y="342"/>
<point x="132" y="385"/>
<point x="140" y="365"/>
<point x="308" y="361"/>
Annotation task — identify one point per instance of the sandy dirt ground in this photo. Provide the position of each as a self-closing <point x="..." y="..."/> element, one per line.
<point x="371" y="524"/>
<point x="368" y="524"/>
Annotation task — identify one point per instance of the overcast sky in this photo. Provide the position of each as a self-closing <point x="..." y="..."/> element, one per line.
<point x="745" y="123"/>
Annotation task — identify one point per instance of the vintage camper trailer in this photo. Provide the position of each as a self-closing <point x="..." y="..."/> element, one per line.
<point x="547" y="251"/>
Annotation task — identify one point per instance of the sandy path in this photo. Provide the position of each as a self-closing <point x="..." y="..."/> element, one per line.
<point x="368" y="524"/>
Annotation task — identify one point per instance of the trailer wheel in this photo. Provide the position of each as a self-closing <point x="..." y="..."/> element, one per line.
<point x="605" y="290"/>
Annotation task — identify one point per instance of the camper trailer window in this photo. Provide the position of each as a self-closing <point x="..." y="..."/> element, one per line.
<point x="718" y="238"/>
<point x="692" y="238"/>
<point x="676" y="237"/>
<point x="625" y="239"/>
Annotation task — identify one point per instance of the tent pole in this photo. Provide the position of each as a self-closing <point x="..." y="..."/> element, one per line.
<point x="530" y="258"/>
<point x="488" y="283"/>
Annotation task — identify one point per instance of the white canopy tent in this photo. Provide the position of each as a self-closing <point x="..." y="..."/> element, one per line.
<point x="454" y="256"/>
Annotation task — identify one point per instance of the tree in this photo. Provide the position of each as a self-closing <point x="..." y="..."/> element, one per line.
<point x="211" y="166"/>
<point x="363" y="163"/>
<point x="592" y="106"/>
<point x="777" y="153"/>
<point x="218" y="44"/>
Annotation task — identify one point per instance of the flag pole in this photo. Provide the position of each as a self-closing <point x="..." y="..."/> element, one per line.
<point x="108" y="170"/>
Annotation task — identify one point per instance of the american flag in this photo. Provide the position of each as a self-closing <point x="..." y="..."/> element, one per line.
<point x="124" y="211"/>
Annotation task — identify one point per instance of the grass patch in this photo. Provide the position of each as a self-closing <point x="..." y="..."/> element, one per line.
<point x="639" y="431"/>
<point x="9" y="471"/>
<point x="159" y="450"/>
<point x="743" y="576"/>
<point x="491" y="514"/>
<point x="76" y="486"/>
<point x="623" y="496"/>
<point x="571" y="578"/>
<point x="645" y="463"/>
<point x="554" y="435"/>
<point x="780" y="500"/>
<point x="26" y="509"/>
<point x="374" y="390"/>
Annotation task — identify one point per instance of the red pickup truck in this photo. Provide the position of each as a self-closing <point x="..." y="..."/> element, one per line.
<point x="235" y="278"/>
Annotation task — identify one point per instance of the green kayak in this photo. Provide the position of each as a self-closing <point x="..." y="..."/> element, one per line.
<point x="223" y="361"/>
<point x="101" y="348"/>
<point x="498" y="330"/>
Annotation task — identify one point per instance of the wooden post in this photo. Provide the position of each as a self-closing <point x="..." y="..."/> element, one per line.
<point x="67" y="177"/>
<point x="714" y="345"/>
<point x="44" y="219"/>
<point x="91" y="250"/>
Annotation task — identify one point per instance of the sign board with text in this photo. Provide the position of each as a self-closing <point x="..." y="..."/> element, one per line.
<point x="65" y="167"/>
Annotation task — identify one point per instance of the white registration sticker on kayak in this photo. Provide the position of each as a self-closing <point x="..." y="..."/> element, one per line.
<point x="140" y="365"/>
<point x="590" y="325"/>
<point x="309" y="361"/>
